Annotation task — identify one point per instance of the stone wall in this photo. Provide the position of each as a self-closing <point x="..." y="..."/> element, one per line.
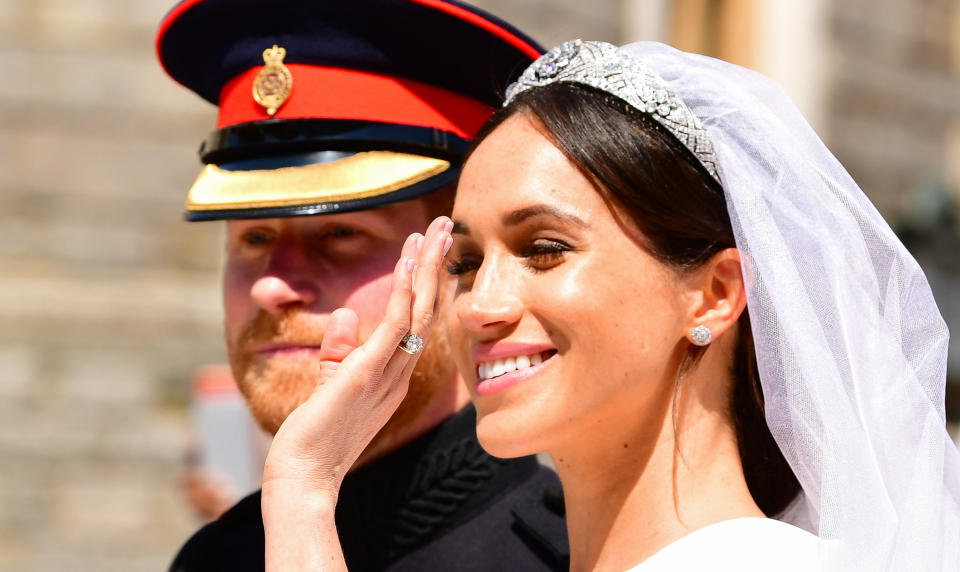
<point x="894" y="96"/>
<point x="107" y="300"/>
<point x="893" y="120"/>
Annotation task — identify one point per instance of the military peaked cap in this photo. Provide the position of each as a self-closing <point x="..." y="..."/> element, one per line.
<point x="335" y="105"/>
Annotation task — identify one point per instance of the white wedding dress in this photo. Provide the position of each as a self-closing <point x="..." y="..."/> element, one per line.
<point x="738" y="545"/>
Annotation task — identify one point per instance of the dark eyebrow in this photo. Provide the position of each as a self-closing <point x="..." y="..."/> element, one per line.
<point x="459" y="228"/>
<point x="518" y="216"/>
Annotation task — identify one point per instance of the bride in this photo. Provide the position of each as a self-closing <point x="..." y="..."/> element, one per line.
<point x="668" y="283"/>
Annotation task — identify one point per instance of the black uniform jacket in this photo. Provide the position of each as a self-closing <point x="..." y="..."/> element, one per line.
<point x="439" y="503"/>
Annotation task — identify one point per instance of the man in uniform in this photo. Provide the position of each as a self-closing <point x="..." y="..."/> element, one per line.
<point x="342" y="125"/>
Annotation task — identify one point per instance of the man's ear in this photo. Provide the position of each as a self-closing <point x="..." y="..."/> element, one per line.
<point x="718" y="296"/>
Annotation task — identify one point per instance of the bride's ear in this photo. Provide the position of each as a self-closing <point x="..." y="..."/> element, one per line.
<point x="717" y="297"/>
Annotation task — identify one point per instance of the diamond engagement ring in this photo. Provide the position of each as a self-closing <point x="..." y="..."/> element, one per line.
<point x="411" y="343"/>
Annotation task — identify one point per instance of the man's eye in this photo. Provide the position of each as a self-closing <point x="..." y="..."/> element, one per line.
<point x="342" y="231"/>
<point x="257" y="238"/>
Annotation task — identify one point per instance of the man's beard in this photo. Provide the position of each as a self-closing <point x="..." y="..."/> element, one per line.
<point x="274" y="386"/>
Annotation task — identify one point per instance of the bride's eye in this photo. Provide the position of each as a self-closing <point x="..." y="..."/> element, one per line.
<point x="466" y="263"/>
<point x="543" y="254"/>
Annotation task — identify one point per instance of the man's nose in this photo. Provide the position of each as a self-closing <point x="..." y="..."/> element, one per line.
<point x="286" y="283"/>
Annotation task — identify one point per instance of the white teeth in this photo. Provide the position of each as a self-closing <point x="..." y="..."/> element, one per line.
<point x="501" y="366"/>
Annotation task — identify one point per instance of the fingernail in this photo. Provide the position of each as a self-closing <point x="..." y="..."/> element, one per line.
<point x="419" y="242"/>
<point x="447" y="243"/>
<point x="411" y="264"/>
<point x="448" y="226"/>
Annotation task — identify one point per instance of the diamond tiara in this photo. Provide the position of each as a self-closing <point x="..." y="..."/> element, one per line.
<point x="606" y="67"/>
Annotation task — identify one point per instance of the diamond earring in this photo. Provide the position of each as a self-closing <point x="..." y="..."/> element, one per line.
<point x="701" y="335"/>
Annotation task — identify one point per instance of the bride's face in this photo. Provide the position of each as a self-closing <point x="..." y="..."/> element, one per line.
<point x="563" y="325"/>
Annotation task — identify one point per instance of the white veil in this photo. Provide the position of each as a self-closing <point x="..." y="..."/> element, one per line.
<point x="850" y="344"/>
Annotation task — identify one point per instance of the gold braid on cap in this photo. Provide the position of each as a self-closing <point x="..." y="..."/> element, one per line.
<point x="607" y="68"/>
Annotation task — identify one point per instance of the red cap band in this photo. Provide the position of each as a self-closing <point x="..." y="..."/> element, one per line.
<point x="335" y="93"/>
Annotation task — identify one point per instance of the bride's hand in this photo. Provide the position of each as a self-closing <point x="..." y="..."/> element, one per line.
<point x="358" y="390"/>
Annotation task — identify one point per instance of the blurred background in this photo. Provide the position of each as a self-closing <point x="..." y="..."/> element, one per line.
<point x="109" y="304"/>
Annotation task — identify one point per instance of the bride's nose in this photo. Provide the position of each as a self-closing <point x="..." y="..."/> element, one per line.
<point x="492" y="301"/>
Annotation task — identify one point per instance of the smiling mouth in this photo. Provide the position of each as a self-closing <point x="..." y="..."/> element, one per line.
<point x="496" y="368"/>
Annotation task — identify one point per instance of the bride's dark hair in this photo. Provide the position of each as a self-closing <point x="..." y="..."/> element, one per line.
<point x="642" y="169"/>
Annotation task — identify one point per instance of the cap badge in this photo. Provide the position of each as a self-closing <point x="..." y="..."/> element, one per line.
<point x="274" y="82"/>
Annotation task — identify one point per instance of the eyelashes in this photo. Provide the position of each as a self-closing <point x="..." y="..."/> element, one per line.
<point x="462" y="266"/>
<point x="543" y="254"/>
<point x="538" y="256"/>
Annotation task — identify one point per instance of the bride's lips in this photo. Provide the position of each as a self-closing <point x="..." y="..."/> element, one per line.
<point x="491" y="360"/>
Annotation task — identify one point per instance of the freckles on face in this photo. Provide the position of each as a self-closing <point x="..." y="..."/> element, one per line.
<point x="538" y="238"/>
